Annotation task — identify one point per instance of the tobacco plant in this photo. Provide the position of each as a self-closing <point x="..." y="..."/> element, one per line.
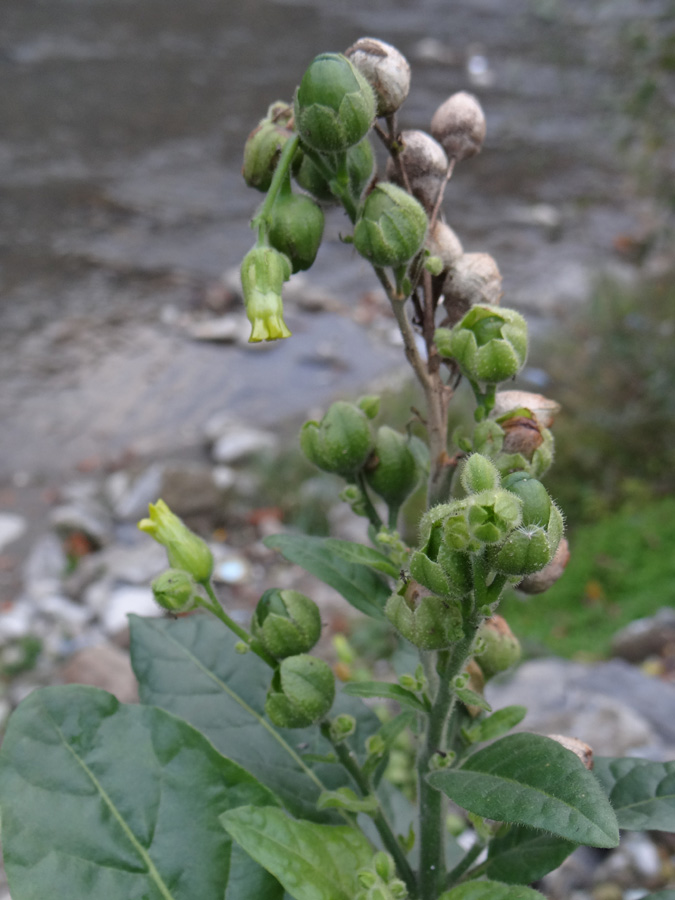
<point x="246" y="772"/>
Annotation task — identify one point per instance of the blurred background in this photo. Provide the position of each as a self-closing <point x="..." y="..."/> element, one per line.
<point x="123" y="217"/>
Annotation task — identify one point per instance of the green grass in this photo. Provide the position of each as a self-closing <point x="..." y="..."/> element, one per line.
<point x="622" y="568"/>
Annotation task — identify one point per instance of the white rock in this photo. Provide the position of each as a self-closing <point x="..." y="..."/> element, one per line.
<point x="46" y="561"/>
<point x="17" y="621"/>
<point x="642" y="854"/>
<point x="224" y="477"/>
<point x="132" y="502"/>
<point x="88" y="517"/>
<point x="64" y="611"/>
<point x="224" y="329"/>
<point x="11" y="528"/>
<point x="125" y="600"/>
<point x="240" y="443"/>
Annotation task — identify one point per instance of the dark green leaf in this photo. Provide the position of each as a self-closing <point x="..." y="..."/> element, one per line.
<point x="357" y="583"/>
<point x="523" y="855"/>
<point x="366" y="556"/>
<point x="490" y="890"/>
<point x="642" y="792"/>
<point x="496" y="725"/>
<point x="471" y="698"/>
<point x="190" y="667"/>
<point x="386" y="690"/>
<point x="533" y="780"/>
<point x="104" y="800"/>
<point x="312" y="862"/>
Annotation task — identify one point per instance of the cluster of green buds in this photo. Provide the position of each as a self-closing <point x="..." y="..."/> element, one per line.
<point x="286" y="623"/>
<point x="345" y="443"/>
<point x="379" y="881"/>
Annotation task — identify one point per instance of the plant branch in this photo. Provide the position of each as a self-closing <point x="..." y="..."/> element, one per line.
<point x="218" y="611"/>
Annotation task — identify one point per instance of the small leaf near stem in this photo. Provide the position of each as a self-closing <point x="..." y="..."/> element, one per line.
<point x="218" y="611"/>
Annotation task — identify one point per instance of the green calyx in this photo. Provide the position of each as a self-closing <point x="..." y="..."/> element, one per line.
<point x="296" y="228"/>
<point x="264" y="145"/>
<point x="176" y="591"/>
<point x="301" y="693"/>
<point x="341" y="443"/>
<point x="492" y="514"/>
<point x="286" y="623"/>
<point x="263" y="272"/>
<point x="530" y="547"/>
<point x="535" y="497"/>
<point x="489" y="343"/>
<point x="392" y="472"/>
<point x="426" y="620"/>
<point x="500" y="646"/>
<point x="360" y="165"/>
<point x="334" y="104"/>
<point x="479" y="474"/>
<point x="392" y="226"/>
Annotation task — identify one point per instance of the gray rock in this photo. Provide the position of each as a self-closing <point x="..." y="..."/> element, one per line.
<point x="645" y="637"/>
<point x="189" y="489"/>
<point x="642" y="854"/>
<point x="129" y="496"/>
<point x="17" y="621"/>
<point x="104" y="666"/>
<point x="72" y="616"/>
<point x="11" y="528"/>
<point x="88" y="517"/>
<point x="228" y="329"/>
<point x="44" y="568"/>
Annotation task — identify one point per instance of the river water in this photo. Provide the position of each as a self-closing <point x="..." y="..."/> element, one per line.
<point x="122" y="125"/>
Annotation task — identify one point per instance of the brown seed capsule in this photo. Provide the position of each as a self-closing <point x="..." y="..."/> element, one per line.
<point x="443" y="242"/>
<point x="459" y="126"/>
<point x="473" y="279"/>
<point x="579" y="748"/>
<point x="543" y="409"/>
<point x="521" y="435"/>
<point x="385" y="69"/>
<point x="541" y="581"/>
<point x="425" y="164"/>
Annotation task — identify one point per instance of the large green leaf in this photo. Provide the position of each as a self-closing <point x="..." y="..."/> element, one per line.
<point x="532" y="780"/>
<point x="642" y="792"/>
<point x="191" y="668"/>
<point x="104" y="800"/>
<point x="523" y="855"/>
<point x="356" y="582"/>
<point x="490" y="890"/>
<point x="312" y="862"/>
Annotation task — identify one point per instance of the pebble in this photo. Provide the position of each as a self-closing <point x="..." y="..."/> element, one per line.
<point x="90" y="518"/>
<point x="17" y="621"/>
<point x="11" y="528"/>
<point x="130" y="496"/>
<point x="104" y="666"/>
<point x="645" y="637"/>
<point x="124" y="600"/>
<point x="239" y="444"/>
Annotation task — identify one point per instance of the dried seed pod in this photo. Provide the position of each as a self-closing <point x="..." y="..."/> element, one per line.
<point x="459" y="126"/>
<point x="541" y="581"/>
<point x="385" y="69"/>
<point x="521" y="435"/>
<point x="501" y="647"/>
<point x="443" y="242"/>
<point x="475" y="278"/>
<point x="425" y="164"/>
<point x="579" y="748"/>
<point x="543" y="409"/>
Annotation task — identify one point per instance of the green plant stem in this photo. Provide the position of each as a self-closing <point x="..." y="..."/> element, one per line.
<point x="218" y="611"/>
<point x="431" y="829"/>
<point x="261" y="219"/>
<point x="373" y="515"/>
<point x="384" y="829"/>
<point x="464" y="864"/>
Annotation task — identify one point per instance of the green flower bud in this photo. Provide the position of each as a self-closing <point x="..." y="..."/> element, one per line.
<point x="302" y="691"/>
<point x="391" y="227"/>
<point x="501" y="648"/>
<point x="286" y="623"/>
<point x="479" y="474"/>
<point x="342" y="727"/>
<point x="427" y="621"/>
<point x="392" y="472"/>
<point x="530" y="547"/>
<point x="536" y="501"/>
<point x="384" y="865"/>
<point x="341" y="443"/>
<point x="360" y="165"/>
<point x="491" y="515"/>
<point x="264" y="145"/>
<point x="296" y="228"/>
<point x="184" y="548"/>
<point x="263" y="272"/>
<point x="176" y="590"/>
<point x="334" y="104"/>
<point x="490" y="344"/>
<point x="370" y="404"/>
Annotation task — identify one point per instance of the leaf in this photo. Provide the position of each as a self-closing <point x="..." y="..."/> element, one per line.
<point x="358" y="584"/>
<point x="363" y="555"/>
<point x="312" y="862"/>
<point x="345" y="798"/>
<point x="496" y="725"/>
<point x="386" y="690"/>
<point x="471" y="698"/>
<point x="523" y="855"/>
<point x="191" y="668"/>
<point x="660" y="895"/>
<point x="642" y="792"/>
<point x="490" y="890"/>
<point x="100" y="799"/>
<point x="532" y="780"/>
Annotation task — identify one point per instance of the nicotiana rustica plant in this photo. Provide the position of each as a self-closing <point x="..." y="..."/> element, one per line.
<point x="246" y="772"/>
